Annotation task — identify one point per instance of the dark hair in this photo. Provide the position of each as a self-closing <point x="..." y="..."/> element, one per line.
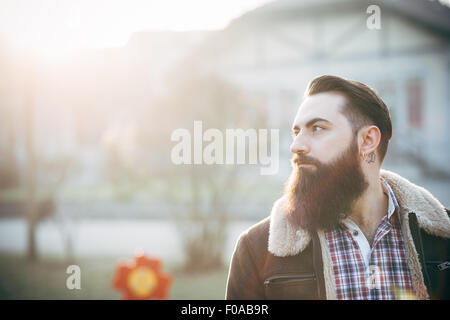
<point x="364" y="106"/>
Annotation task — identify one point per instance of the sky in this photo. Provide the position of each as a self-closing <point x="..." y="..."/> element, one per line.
<point x="70" y="24"/>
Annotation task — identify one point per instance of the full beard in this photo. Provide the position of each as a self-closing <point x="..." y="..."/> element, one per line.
<point x="318" y="199"/>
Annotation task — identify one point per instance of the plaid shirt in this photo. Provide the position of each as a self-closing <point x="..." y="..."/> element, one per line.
<point x="370" y="273"/>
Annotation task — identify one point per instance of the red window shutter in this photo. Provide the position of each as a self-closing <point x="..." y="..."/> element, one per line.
<point x="415" y="103"/>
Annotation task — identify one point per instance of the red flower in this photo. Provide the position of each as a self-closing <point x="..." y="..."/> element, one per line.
<point x="142" y="279"/>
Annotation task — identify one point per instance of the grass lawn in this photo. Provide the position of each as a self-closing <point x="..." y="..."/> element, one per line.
<point x="46" y="279"/>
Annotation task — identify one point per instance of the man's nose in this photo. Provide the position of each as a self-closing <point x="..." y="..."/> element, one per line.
<point x="300" y="145"/>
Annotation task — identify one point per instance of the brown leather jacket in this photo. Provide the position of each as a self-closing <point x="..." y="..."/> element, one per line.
<point x="273" y="261"/>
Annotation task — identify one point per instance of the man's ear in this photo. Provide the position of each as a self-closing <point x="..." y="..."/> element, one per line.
<point x="369" y="138"/>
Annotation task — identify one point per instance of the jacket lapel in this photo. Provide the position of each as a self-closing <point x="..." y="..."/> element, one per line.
<point x="431" y="214"/>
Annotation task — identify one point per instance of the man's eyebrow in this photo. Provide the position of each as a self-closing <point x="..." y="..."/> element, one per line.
<point x="311" y="122"/>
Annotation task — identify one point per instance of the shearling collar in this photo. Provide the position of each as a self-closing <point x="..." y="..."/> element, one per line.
<point x="284" y="240"/>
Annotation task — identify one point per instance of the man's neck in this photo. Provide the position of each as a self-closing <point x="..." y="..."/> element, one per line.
<point x="370" y="208"/>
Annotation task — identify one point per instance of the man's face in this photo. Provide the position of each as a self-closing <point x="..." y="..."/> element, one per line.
<point x="320" y="130"/>
<point x="327" y="176"/>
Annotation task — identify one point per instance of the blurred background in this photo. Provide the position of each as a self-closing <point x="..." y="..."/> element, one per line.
<point x="90" y="92"/>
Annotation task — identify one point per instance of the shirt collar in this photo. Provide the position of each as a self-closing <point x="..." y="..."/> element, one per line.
<point x="392" y="203"/>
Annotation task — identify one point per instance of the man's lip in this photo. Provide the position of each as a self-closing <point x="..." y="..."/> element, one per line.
<point x="304" y="163"/>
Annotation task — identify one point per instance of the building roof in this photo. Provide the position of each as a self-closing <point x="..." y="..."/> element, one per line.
<point x="432" y="15"/>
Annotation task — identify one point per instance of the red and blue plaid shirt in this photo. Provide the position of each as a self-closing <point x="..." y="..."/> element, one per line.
<point x="371" y="273"/>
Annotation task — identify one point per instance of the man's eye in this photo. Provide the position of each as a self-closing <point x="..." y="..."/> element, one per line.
<point x="317" y="128"/>
<point x="295" y="133"/>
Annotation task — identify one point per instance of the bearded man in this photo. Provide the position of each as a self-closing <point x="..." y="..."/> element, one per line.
<point x="345" y="228"/>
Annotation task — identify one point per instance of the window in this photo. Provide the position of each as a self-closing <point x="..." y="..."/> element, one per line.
<point x="415" y="103"/>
